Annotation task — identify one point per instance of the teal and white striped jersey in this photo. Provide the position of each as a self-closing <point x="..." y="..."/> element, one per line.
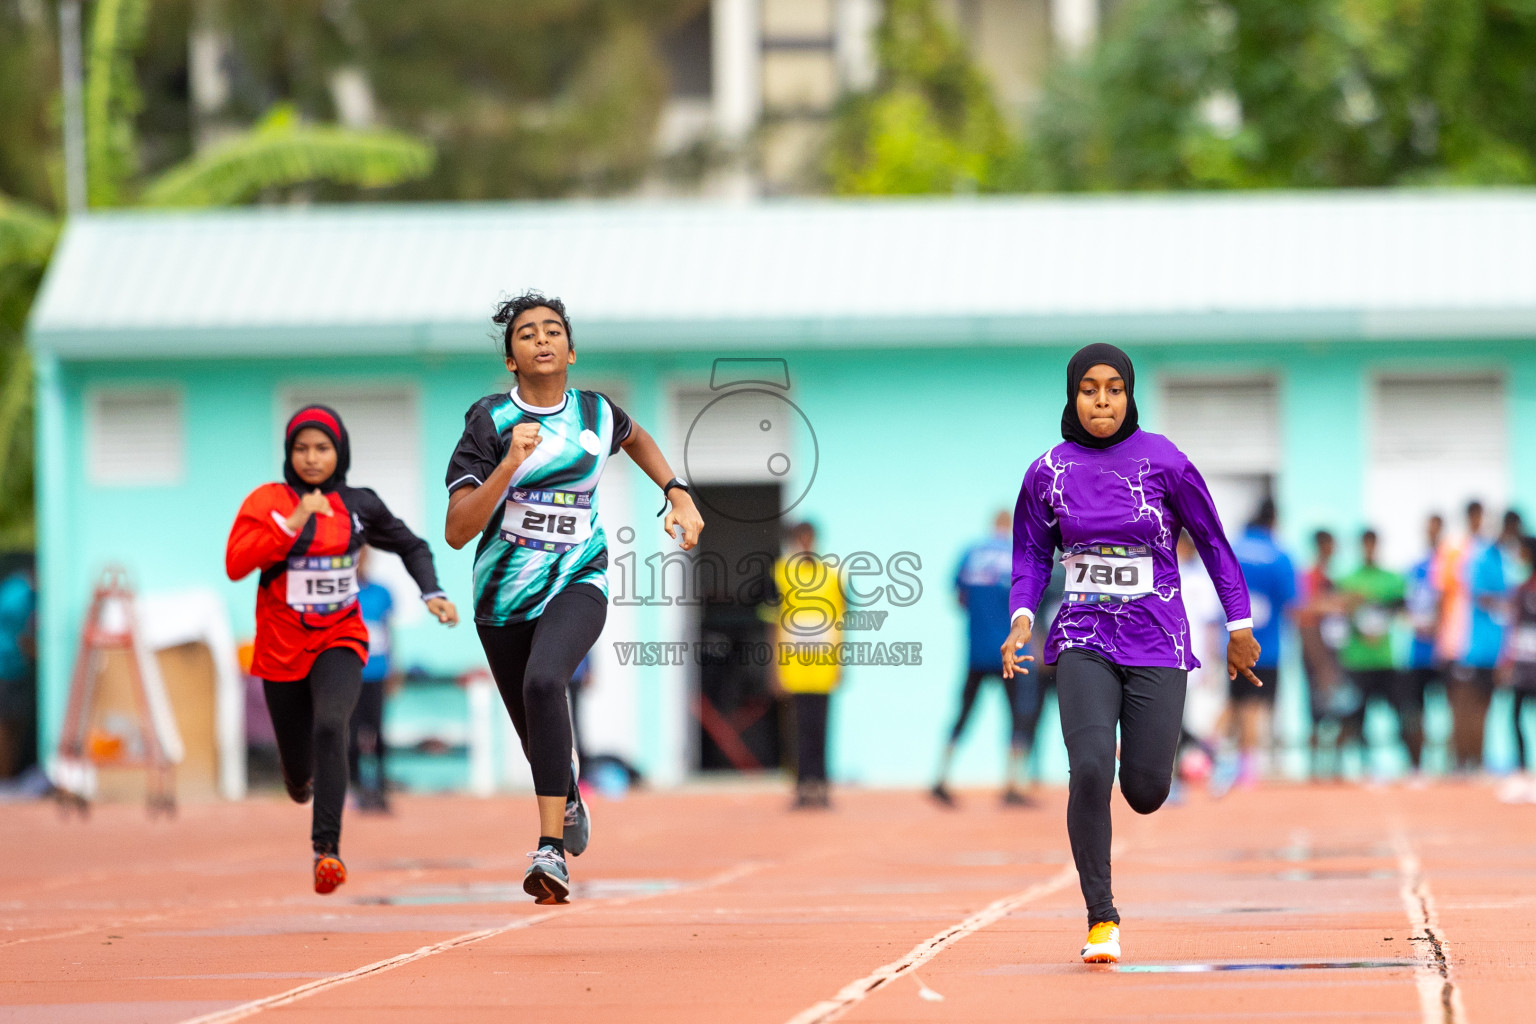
<point x="547" y="535"/>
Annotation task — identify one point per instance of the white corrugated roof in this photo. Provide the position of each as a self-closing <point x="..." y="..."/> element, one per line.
<point x="1352" y="264"/>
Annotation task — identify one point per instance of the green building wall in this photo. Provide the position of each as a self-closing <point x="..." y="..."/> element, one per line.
<point x="895" y="426"/>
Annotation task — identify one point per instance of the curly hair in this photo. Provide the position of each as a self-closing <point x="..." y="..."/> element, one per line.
<point x="508" y="311"/>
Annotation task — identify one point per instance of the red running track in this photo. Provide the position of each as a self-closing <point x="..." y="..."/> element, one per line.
<point x="1320" y="903"/>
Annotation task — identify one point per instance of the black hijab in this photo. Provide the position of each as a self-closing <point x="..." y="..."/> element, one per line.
<point x="324" y="419"/>
<point x="1087" y="358"/>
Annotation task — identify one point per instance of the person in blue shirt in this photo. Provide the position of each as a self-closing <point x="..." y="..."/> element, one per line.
<point x="982" y="582"/>
<point x="1422" y="603"/>
<point x="376" y="604"/>
<point x="1471" y="683"/>
<point x="1271" y="580"/>
<point x="18" y="672"/>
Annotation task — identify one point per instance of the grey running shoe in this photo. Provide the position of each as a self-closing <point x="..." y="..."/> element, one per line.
<point x="578" y="825"/>
<point x="547" y="879"/>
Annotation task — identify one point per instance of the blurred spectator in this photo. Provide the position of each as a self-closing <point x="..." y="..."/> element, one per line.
<point x="367" y="739"/>
<point x="18" y="672"/>
<point x="1520" y="646"/>
<point x="1471" y="638"/>
<point x="1422" y="600"/>
<point x="1511" y="549"/>
<point x="1271" y="589"/>
<point x="982" y="582"/>
<point x="1032" y="699"/>
<point x="1207" y="701"/>
<point x="1374" y="596"/>
<point x="1323" y="626"/>
<point x="811" y="606"/>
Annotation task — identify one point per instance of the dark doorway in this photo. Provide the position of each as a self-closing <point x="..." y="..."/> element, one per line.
<point x="735" y="711"/>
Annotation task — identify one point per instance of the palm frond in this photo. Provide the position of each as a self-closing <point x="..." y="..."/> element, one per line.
<point x="283" y="151"/>
<point x="27" y="235"/>
<point x="112" y="98"/>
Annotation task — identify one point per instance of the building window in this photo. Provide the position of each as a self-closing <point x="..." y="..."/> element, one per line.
<point x="1436" y="443"/>
<point x="135" y="437"/>
<point x="1230" y="429"/>
<point x="384" y="428"/>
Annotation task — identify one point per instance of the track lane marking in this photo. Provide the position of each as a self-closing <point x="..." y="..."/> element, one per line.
<point x="1439" y="998"/>
<point x="855" y="992"/>
<point x="308" y="989"/>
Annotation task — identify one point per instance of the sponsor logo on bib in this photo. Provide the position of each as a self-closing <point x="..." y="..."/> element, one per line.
<point x="1104" y="573"/>
<point x="544" y="520"/>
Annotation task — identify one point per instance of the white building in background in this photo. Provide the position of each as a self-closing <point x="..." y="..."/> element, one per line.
<point x="754" y="82"/>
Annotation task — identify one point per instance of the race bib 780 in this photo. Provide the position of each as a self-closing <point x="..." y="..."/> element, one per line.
<point x="1101" y="573"/>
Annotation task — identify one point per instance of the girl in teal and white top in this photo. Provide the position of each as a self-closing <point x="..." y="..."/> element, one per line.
<point x="524" y="479"/>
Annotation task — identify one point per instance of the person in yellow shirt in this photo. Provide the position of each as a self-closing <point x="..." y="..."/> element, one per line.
<point x="807" y="634"/>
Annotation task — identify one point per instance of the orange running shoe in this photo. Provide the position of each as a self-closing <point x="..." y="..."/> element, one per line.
<point x="329" y="872"/>
<point x="1103" y="945"/>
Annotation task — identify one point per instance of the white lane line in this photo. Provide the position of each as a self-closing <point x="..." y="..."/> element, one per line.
<point x="857" y="991"/>
<point x="304" y="991"/>
<point x="1439" y="998"/>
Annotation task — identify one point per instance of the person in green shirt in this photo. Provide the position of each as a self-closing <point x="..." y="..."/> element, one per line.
<point x="1374" y="597"/>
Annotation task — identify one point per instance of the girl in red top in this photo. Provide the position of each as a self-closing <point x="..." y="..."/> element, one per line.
<point x="304" y="536"/>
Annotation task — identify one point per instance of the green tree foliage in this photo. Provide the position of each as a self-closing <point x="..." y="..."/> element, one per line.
<point x="1295" y="94"/>
<point x="282" y="151"/>
<point x="532" y="98"/>
<point x="112" y="98"/>
<point x="929" y="125"/>
<point x="29" y="76"/>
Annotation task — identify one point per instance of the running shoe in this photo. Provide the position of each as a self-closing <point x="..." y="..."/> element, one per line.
<point x="1017" y="798"/>
<point x="547" y="879"/>
<point x="1103" y="945"/>
<point x="329" y="872"/>
<point x="1517" y="789"/>
<point x="942" y="795"/>
<point x="578" y="825"/>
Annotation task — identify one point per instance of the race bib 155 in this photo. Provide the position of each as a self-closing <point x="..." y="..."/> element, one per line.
<point x="321" y="583"/>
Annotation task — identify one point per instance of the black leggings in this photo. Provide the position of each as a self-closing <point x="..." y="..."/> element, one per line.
<point x="310" y="717"/>
<point x="1523" y="757"/>
<point x="1018" y="702"/>
<point x="532" y="663"/>
<point x="368" y="736"/>
<point x="1095" y="695"/>
<point x="811" y="736"/>
<point x="1398" y="689"/>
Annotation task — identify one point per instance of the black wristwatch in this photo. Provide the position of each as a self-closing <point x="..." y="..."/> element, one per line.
<point x="674" y="482"/>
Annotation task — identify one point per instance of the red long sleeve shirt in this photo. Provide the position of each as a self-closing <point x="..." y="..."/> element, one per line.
<point x="292" y="629"/>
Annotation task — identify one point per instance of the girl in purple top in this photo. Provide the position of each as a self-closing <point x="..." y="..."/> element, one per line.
<point x="1112" y="499"/>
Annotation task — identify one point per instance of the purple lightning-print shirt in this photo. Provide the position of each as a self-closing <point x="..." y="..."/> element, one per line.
<point x="1136" y="494"/>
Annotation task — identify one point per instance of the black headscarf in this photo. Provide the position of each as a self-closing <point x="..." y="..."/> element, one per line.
<point x="323" y="418"/>
<point x="1086" y="359"/>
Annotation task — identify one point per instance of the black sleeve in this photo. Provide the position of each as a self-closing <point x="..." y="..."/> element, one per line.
<point x="622" y="424"/>
<point x="382" y="530"/>
<point x="479" y="450"/>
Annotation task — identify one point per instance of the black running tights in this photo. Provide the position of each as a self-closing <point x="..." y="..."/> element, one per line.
<point x="811" y="736"/>
<point x="311" y="717"/>
<point x="368" y="737"/>
<point x="532" y="663"/>
<point x="1523" y="753"/>
<point x="1147" y="703"/>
